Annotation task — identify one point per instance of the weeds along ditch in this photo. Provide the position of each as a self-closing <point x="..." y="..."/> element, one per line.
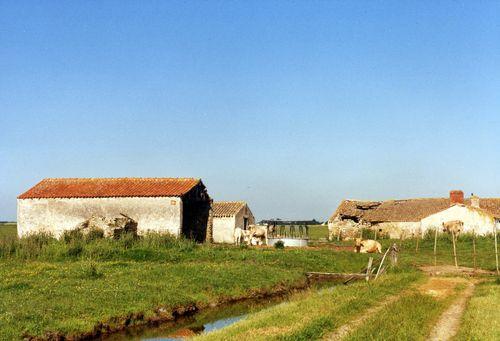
<point x="79" y="283"/>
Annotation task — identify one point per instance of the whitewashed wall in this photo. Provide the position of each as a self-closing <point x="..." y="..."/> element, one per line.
<point x="473" y="219"/>
<point x="400" y="229"/>
<point x="160" y="214"/>
<point x="223" y="227"/>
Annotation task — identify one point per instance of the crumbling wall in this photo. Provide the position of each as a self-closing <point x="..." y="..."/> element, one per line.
<point x="112" y="227"/>
<point x="55" y="215"/>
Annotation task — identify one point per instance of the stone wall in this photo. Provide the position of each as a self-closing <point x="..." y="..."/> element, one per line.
<point x="161" y="214"/>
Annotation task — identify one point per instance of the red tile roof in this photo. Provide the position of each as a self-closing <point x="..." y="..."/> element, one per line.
<point x="227" y="208"/>
<point x="110" y="187"/>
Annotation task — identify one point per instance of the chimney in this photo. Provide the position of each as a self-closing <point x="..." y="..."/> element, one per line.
<point x="456" y="197"/>
<point x="474" y="201"/>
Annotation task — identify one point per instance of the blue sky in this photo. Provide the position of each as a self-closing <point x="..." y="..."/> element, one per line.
<point x="291" y="106"/>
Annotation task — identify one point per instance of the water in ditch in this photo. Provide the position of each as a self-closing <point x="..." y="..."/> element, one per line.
<point x="205" y="321"/>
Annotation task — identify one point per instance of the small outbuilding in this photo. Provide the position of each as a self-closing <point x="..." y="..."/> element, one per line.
<point x="179" y="206"/>
<point x="227" y="215"/>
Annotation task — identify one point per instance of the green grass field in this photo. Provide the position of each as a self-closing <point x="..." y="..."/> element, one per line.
<point x="317" y="232"/>
<point x="71" y="285"/>
<point x="481" y="321"/>
<point x="8" y="231"/>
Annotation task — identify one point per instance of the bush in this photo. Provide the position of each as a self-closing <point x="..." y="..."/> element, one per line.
<point x="70" y="236"/>
<point x="75" y="250"/>
<point x="94" y="234"/>
<point x="127" y="240"/>
<point x="279" y="244"/>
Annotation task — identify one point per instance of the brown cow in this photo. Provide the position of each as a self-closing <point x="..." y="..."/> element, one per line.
<point x="367" y="246"/>
<point x="454" y="227"/>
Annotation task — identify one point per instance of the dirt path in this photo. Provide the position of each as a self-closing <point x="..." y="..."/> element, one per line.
<point x="439" y="287"/>
<point x="449" y="322"/>
<point x="346" y="329"/>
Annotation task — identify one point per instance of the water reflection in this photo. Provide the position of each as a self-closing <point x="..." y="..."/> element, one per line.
<point x="205" y="321"/>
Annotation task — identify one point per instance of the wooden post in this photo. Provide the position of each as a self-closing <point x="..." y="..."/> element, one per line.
<point x="454" y="248"/>
<point x="496" y="248"/>
<point x="416" y="247"/>
<point x="381" y="263"/>
<point x="376" y="230"/>
<point x="209" y="237"/>
<point x="435" y="245"/>
<point x="394" y="255"/>
<point x="474" y="247"/>
<point x="369" y="268"/>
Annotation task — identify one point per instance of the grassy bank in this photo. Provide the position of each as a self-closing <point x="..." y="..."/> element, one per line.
<point x="311" y="315"/>
<point x="480" y="321"/>
<point x="70" y="286"/>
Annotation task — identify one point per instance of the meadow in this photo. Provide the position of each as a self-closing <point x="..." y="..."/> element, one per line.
<point x="72" y="285"/>
<point x="8" y="230"/>
<point x="480" y="321"/>
<point x="78" y="285"/>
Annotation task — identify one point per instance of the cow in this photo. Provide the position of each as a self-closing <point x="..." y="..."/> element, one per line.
<point x="454" y="227"/>
<point x="239" y="235"/>
<point x="258" y="231"/>
<point x="367" y="246"/>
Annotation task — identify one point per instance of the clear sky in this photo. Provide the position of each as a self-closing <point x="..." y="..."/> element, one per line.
<point x="291" y="106"/>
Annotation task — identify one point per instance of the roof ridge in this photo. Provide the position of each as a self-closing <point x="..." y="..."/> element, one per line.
<point x="122" y="178"/>
<point x="110" y="187"/>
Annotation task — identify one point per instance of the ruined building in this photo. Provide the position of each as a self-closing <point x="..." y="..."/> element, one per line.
<point x="179" y="206"/>
<point x="408" y="217"/>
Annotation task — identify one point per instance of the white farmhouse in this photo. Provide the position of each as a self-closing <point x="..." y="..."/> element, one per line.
<point x="408" y="217"/>
<point x="227" y="215"/>
<point x="179" y="206"/>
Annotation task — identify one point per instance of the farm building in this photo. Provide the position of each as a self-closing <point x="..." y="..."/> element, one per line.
<point x="179" y="206"/>
<point x="227" y="215"/>
<point x="404" y="218"/>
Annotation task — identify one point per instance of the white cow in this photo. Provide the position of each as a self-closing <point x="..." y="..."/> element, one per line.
<point x="239" y="235"/>
<point x="257" y="231"/>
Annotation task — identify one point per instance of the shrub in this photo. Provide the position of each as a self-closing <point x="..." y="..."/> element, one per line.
<point x="279" y="244"/>
<point x="70" y="236"/>
<point x="94" y="234"/>
<point x="127" y="240"/>
<point x="75" y="250"/>
<point x="32" y="245"/>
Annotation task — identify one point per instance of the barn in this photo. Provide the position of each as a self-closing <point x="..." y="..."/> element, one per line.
<point x="179" y="206"/>
<point x="227" y="215"/>
<point x="407" y="217"/>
